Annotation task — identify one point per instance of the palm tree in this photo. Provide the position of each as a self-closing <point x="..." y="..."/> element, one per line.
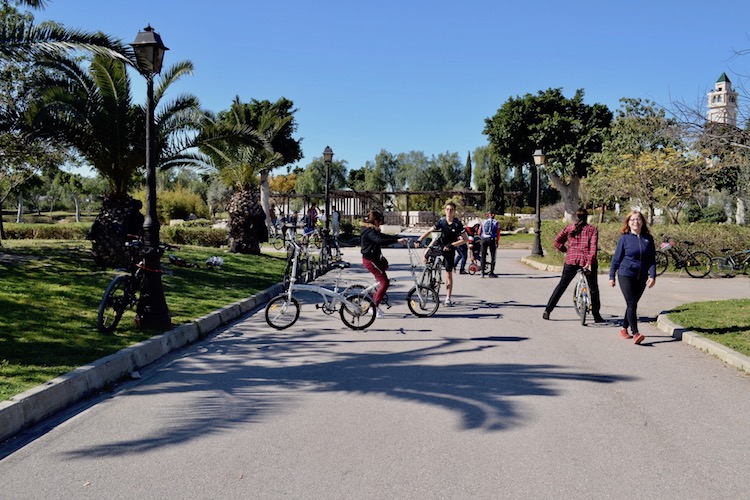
<point x="21" y="38"/>
<point x="89" y="108"/>
<point x="256" y="139"/>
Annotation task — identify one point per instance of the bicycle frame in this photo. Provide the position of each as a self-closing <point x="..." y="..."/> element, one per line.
<point x="334" y="295"/>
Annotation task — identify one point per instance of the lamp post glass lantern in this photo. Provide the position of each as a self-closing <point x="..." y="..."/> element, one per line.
<point x="539" y="159"/>
<point x="152" y="312"/>
<point x="327" y="159"/>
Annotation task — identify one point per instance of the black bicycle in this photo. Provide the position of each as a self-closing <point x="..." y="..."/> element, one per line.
<point x="122" y="292"/>
<point x="732" y="263"/>
<point x="696" y="263"/>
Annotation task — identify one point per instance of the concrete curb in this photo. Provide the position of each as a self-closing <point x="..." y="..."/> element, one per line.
<point x="540" y="266"/>
<point x="727" y="355"/>
<point x="32" y="406"/>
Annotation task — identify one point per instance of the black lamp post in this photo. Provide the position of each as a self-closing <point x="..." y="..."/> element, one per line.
<point x="536" y="249"/>
<point x="327" y="158"/>
<point x="152" y="308"/>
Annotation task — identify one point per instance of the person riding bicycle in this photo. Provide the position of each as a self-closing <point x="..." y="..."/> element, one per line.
<point x="578" y="241"/>
<point x="372" y="253"/>
<point x="464" y="251"/>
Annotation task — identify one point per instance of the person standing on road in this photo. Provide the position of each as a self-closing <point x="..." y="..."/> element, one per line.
<point x="634" y="262"/>
<point x="372" y="253"/>
<point x="335" y="222"/>
<point x="578" y="242"/>
<point x="489" y="235"/>
<point x="452" y="235"/>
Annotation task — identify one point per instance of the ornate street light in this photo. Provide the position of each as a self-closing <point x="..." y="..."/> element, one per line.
<point x="536" y="249"/>
<point x="327" y="159"/>
<point x="152" y="308"/>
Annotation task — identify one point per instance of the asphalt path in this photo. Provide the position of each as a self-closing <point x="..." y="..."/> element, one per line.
<point x="483" y="400"/>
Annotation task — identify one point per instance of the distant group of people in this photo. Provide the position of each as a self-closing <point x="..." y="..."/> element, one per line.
<point x="633" y="263"/>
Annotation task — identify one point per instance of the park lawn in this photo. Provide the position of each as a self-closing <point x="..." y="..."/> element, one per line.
<point x="50" y="292"/>
<point x="726" y="322"/>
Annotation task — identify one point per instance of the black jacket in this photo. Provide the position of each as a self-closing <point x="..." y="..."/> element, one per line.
<point x="373" y="240"/>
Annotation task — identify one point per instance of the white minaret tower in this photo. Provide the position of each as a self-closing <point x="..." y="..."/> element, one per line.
<point x="722" y="102"/>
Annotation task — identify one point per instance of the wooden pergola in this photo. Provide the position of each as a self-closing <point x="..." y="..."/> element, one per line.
<point x="353" y="204"/>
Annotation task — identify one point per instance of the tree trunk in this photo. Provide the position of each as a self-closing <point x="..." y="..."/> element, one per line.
<point x="739" y="217"/>
<point x="265" y="196"/>
<point x="19" y="212"/>
<point x="569" y="194"/>
<point x="78" y="207"/>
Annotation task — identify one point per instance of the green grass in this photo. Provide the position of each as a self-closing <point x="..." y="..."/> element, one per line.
<point x="50" y="292"/>
<point x="726" y="322"/>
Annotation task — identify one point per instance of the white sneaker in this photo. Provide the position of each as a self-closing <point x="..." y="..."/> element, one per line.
<point x="448" y="302"/>
<point x="379" y="313"/>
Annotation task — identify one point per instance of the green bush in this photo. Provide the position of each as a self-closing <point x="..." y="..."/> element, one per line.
<point x="714" y="213"/>
<point x="507" y="222"/>
<point x="693" y="213"/>
<point x="198" y="223"/>
<point x="74" y="231"/>
<point x="199" y="236"/>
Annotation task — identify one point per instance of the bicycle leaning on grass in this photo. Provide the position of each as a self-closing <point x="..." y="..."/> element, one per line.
<point x="357" y="310"/>
<point x="731" y="264"/>
<point x="696" y="263"/>
<point x="122" y="292"/>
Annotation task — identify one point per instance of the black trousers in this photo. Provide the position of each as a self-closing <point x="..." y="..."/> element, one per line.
<point x="491" y="245"/>
<point x="632" y="290"/>
<point x="569" y="272"/>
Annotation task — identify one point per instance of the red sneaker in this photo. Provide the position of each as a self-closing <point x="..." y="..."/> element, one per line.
<point x="638" y="338"/>
<point x="624" y="333"/>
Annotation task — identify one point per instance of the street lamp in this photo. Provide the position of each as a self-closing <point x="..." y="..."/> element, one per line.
<point x="152" y="311"/>
<point x="536" y="249"/>
<point x="327" y="158"/>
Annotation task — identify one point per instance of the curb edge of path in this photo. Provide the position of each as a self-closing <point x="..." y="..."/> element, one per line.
<point x="43" y="401"/>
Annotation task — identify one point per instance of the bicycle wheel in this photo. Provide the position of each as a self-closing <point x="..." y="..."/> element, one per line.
<point x="422" y="301"/>
<point x="277" y="242"/>
<point x="361" y="318"/>
<point x="662" y="263"/>
<point x="720" y="266"/>
<point x="698" y="264"/>
<point x="582" y="301"/>
<point x="282" y="312"/>
<point x="114" y="302"/>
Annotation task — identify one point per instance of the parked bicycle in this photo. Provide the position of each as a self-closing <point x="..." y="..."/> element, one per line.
<point x="357" y="311"/>
<point x="581" y="296"/>
<point x="696" y="263"/>
<point x="280" y="238"/>
<point x="122" y="292"/>
<point x="731" y="264"/>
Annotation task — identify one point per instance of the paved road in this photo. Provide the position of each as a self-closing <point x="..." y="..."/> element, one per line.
<point x="484" y="400"/>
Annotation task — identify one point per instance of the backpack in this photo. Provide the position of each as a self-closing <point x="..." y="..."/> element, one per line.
<point x="487" y="228"/>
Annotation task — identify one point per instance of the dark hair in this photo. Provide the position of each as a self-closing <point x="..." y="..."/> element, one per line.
<point x="582" y="216"/>
<point x="374" y="216"/>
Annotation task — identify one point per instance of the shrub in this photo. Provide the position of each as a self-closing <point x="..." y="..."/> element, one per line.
<point x="714" y="213"/>
<point x="507" y="222"/>
<point x="199" y="236"/>
<point x="75" y="231"/>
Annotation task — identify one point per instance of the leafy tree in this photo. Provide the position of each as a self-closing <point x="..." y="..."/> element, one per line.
<point x="312" y="180"/>
<point x="567" y="129"/>
<point x="639" y="136"/>
<point x="411" y="165"/>
<point x="467" y="172"/>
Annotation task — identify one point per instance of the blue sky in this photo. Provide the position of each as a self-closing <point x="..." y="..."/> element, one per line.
<point x="424" y="75"/>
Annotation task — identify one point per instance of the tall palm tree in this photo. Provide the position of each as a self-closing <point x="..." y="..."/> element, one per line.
<point x="89" y="107"/>
<point x="260" y="141"/>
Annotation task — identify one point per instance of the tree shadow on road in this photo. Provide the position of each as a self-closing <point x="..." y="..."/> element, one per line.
<point x="247" y="375"/>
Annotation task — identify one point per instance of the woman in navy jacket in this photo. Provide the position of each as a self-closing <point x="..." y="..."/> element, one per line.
<point x="634" y="262"/>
